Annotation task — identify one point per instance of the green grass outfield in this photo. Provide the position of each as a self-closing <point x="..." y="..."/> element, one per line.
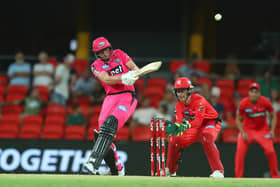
<point x="44" y="180"/>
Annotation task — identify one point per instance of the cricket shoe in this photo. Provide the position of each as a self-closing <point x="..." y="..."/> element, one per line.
<point x="217" y="175"/>
<point x="90" y="168"/>
<point x="121" y="169"/>
<point x="168" y="174"/>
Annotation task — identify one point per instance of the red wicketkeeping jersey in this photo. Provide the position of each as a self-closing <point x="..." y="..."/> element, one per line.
<point x="197" y="112"/>
<point x="254" y="114"/>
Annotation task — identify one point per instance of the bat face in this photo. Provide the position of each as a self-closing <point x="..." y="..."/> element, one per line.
<point x="151" y="67"/>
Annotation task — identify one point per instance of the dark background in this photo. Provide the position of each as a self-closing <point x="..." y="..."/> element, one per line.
<point x="142" y="28"/>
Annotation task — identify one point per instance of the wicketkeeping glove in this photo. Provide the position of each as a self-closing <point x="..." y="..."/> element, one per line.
<point x="176" y="129"/>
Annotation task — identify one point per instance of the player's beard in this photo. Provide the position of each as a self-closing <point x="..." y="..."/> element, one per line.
<point x="105" y="58"/>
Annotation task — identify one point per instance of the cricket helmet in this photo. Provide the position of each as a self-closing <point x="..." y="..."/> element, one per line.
<point x="100" y="44"/>
<point x="183" y="83"/>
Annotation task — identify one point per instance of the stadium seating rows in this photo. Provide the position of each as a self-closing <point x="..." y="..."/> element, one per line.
<point x="52" y="126"/>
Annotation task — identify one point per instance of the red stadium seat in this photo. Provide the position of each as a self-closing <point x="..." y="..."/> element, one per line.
<point x="16" y="92"/>
<point x="155" y="100"/>
<point x="55" y="120"/>
<point x="4" y="80"/>
<point x="76" y="132"/>
<point x="31" y="127"/>
<point x="17" y="89"/>
<point x="83" y="100"/>
<point x="85" y="110"/>
<point x="176" y="64"/>
<point x="12" y="109"/>
<point x="141" y="133"/>
<point x="44" y="93"/>
<point x="93" y="121"/>
<point x="203" y="66"/>
<point x="57" y="110"/>
<point x="244" y="83"/>
<point x="14" y="97"/>
<point x="2" y="93"/>
<point x="140" y="84"/>
<point x="159" y="82"/>
<point x="227" y="92"/>
<point x="90" y="134"/>
<point x="80" y="65"/>
<point x="225" y="83"/>
<point x="9" y="130"/>
<point x="96" y="109"/>
<point x="226" y="102"/>
<point x="34" y="119"/>
<point x="10" y="119"/>
<point x="202" y="80"/>
<point x="243" y="91"/>
<point x="229" y="135"/>
<point x="154" y="91"/>
<point x="53" y="131"/>
<point x="53" y="61"/>
<point x="30" y="131"/>
<point x="155" y="94"/>
<point x="123" y="134"/>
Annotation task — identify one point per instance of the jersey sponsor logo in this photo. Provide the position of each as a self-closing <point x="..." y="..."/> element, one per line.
<point x="255" y="115"/>
<point x="116" y="70"/>
<point x="105" y="66"/>
<point x="248" y="110"/>
<point x="123" y="108"/>
<point x="267" y="136"/>
<point x="101" y="44"/>
<point x="116" y="61"/>
<point x="188" y="115"/>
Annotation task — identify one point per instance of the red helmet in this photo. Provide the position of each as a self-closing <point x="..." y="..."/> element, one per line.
<point x="100" y="43"/>
<point x="183" y="82"/>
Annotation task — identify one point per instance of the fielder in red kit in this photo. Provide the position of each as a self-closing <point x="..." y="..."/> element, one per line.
<point x="252" y="113"/>
<point x="205" y="127"/>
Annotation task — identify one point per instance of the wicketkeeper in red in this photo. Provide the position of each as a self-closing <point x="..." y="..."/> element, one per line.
<point x="195" y="112"/>
<point x="252" y="122"/>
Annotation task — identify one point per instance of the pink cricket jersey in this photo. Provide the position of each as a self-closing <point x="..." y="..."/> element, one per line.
<point x="115" y="66"/>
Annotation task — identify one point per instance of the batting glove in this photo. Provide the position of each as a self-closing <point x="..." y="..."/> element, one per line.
<point x="129" y="78"/>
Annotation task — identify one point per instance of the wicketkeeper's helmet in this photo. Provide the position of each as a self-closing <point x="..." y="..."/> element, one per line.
<point x="183" y="83"/>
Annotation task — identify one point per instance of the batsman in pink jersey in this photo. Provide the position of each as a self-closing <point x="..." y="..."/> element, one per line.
<point x="116" y="72"/>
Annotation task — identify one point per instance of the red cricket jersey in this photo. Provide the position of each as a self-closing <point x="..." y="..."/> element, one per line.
<point x="197" y="112"/>
<point x="254" y="114"/>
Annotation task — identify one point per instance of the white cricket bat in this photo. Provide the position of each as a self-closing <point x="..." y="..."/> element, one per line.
<point x="151" y="67"/>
